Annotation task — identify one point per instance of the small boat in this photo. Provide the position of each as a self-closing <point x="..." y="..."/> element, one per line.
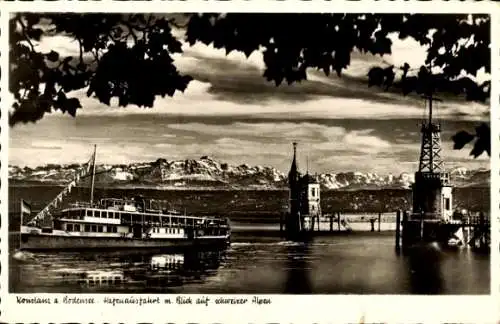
<point x="457" y="240"/>
<point x="112" y="223"/>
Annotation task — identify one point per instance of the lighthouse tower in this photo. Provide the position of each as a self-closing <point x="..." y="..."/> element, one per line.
<point x="304" y="207"/>
<point x="293" y="223"/>
<point x="432" y="191"/>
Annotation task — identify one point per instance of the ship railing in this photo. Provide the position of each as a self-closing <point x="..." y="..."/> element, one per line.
<point x="153" y="211"/>
<point x="175" y="224"/>
<point x="80" y="204"/>
<point x="436" y="218"/>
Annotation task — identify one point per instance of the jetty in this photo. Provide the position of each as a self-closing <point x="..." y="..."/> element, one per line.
<point x="432" y="218"/>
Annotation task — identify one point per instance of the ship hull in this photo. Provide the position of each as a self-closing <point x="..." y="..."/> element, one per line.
<point x="41" y="242"/>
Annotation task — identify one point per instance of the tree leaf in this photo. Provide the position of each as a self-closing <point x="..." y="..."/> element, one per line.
<point x="483" y="142"/>
<point x="35" y="33"/>
<point x="71" y="105"/>
<point x="53" y="56"/>
<point x="460" y="139"/>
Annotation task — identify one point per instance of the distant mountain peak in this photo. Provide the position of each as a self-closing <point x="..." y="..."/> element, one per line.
<point x="210" y="173"/>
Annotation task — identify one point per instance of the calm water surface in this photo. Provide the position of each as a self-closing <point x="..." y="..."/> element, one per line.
<point x="361" y="263"/>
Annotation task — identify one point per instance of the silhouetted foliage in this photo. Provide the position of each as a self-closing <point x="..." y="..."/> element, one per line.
<point x="128" y="57"/>
<point x="482" y="143"/>
<point x="292" y="43"/>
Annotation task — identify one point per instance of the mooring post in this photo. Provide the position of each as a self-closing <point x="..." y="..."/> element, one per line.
<point x="318" y="224"/>
<point x="404" y="227"/>
<point x="422" y="226"/>
<point x="281" y="224"/>
<point x="379" y="220"/>
<point x="465" y="229"/>
<point x="468" y="230"/>
<point x="482" y="237"/>
<point x="331" y="222"/>
<point x="338" y="220"/>
<point x="462" y="226"/>
<point x="398" y="228"/>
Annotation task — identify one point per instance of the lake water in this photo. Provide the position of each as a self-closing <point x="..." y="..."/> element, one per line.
<point x="259" y="262"/>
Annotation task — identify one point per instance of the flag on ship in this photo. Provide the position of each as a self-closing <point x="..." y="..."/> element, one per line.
<point x="47" y="210"/>
<point x="25" y="208"/>
<point x="90" y="163"/>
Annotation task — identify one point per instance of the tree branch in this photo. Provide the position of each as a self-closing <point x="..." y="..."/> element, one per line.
<point x="96" y="55"/>
<point x="80" y="43"/>
<point x="130" y="30"/>
<point x="176" y="25"/>
<point x="24" y="93"/>
<point x="23" y="27"/>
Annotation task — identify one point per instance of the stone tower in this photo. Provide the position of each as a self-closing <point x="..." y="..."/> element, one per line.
<point x="432" y="191"/>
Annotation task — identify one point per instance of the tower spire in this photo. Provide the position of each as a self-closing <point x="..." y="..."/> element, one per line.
<point x="293" y="174"/>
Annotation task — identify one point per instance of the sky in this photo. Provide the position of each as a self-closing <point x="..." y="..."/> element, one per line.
<point x="232" y="114"/>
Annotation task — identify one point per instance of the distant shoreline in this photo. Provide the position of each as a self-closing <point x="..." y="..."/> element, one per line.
<point x="198" y="188"/>
<point x="144" y="186"/>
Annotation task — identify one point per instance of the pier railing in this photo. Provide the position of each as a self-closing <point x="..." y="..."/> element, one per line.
<point x="411" y="229"/>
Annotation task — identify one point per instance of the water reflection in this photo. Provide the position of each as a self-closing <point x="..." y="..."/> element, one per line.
<point x="424" y="266"/>
<point x="100" y="278"/>
<point x="298" y="279"/>
<point x="357" y="264"/>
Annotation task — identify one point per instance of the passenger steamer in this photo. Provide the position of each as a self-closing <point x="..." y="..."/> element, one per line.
<point x="117" y="223"/>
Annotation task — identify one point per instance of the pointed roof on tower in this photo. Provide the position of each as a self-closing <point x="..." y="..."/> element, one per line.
<point x="294" y="171"/>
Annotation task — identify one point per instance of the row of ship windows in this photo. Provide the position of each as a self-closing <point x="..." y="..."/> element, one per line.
<point x="79" y="214"/>
<point x="167" y="230"/>
<point x="90" y="228"/>
<point x="110" y="229"/>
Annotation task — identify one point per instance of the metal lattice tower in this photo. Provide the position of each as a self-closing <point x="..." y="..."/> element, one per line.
<point x="430" y="152"/>
<point x="432" y="195"/>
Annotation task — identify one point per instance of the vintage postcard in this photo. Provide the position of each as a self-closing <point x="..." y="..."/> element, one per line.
<point x="239" y="163"/>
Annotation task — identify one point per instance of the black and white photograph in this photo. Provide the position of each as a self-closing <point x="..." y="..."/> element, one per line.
<point x="249" y="153"/>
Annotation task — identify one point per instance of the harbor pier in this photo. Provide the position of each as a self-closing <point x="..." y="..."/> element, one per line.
<point x="471" y="231"/>
<point x="432" y="218"/>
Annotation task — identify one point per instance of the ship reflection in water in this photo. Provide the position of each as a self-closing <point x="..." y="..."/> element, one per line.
<point x="139" y="272"/>
<point x="154" y="272"/>
<point x="97" y="278"/>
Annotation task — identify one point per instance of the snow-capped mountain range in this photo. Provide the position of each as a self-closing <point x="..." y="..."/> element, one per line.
<point x="209" y="173"/>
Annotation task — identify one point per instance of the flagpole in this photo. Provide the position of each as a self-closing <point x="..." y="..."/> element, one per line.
<point x="93" y="176"/>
